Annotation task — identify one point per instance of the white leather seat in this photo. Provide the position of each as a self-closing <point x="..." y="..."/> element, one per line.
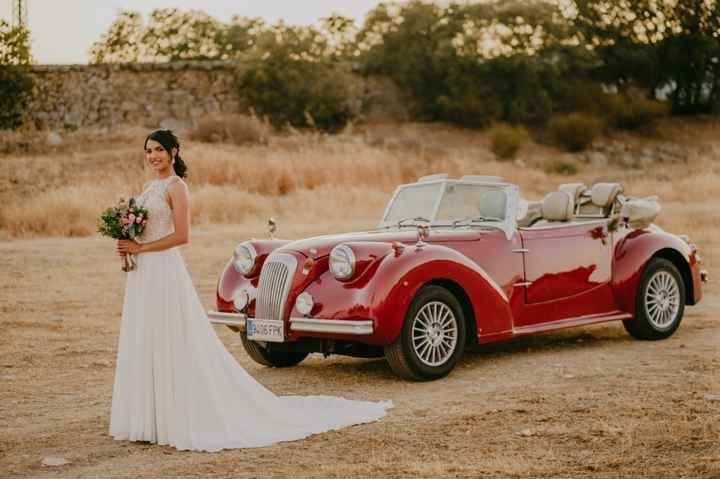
<point x="575" y="190"/>
<point x="557" y="206"/>
<point x="602" y="199"/>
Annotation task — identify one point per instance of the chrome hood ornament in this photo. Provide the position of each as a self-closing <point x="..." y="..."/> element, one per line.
<point x="272" y="228"/>
<point x="423" y="233"/>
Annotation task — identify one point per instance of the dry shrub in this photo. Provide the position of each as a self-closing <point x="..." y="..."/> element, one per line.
<point x="561" y="166"/>
<point x="575" y="131"/>
<point x="231" y="128"/>
<point x="506" y="140"/>
<point x="633" y="113"/>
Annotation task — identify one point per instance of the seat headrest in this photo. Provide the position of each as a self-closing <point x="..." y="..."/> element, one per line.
<point x="574" y="189"/>
<point x="604" y="194"/>
<point x="492" y="204"/>
<point x="558" y="206"/>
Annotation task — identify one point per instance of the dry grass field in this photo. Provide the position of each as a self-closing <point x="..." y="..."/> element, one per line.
<point x="588" y="402"/>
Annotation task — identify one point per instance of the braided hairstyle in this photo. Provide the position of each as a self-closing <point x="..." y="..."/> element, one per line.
<point x="169" y="141"/>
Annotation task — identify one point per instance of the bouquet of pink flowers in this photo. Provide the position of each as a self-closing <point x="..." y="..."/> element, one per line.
<point x="125" y="221"/>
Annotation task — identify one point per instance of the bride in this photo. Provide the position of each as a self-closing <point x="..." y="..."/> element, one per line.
<point x="175" y="383"/>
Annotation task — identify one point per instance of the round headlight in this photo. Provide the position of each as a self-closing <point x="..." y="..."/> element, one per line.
<point x="342" y="262"/>
<point x="241" y="300"/>
<point x="244" y="258"/>
<point x="304" y="303"/>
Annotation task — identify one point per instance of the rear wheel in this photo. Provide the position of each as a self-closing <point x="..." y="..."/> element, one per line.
<point x="432" y="337"/>
<point x="660" y="302"/>
<point x="277" y="359"/>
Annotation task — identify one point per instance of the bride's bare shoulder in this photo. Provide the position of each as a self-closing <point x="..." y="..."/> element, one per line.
<point x="176" y="184"/>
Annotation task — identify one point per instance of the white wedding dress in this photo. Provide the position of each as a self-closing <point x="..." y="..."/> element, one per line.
<point x="176" y="384"/>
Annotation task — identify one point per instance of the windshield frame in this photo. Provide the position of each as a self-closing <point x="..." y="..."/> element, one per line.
<point x="508" y="225"/>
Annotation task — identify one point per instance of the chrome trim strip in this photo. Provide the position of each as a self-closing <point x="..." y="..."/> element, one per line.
<point x="310" y="325"/>
<point x="521" y="250"/>
<point x="564" y="224"/>
<point x="522" y="285"/>
<point x="569" y="322"/>
<point x="232" y="319"/>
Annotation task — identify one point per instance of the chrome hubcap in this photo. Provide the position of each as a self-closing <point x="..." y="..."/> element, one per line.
<point x="434" y="333"/>
<point x="662" y="300"/>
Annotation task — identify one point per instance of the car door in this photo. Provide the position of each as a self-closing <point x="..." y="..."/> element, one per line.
<point x="568" y="268"/>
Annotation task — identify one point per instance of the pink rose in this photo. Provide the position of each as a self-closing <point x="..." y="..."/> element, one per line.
<point x="131" y="218"/>
<point x="144" y="221"/>
<point x="131" y="210"/>
<point x="139" y="219"/>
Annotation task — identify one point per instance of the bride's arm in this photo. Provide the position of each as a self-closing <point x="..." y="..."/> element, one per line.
<point x="180" y="206"/>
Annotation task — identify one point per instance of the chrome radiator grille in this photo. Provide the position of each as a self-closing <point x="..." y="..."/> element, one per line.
<point x="275" y="279"/>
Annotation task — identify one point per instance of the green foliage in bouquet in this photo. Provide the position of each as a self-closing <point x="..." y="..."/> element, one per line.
<point x="121" y="221"/>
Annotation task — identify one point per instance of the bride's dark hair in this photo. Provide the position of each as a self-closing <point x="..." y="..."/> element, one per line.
<point x="169" y="141"/>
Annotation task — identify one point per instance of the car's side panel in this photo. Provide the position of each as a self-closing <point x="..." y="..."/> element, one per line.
<point x="568" y="269"/>
<point x="502" y="260"/>
<point x="634" y="248"/>
<point x="386" y="291"/>
<point x="566" y="260"/>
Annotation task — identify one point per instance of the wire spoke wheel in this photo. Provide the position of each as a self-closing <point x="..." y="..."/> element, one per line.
<point x="662" y="300"/>
<point x="434" y="333"/>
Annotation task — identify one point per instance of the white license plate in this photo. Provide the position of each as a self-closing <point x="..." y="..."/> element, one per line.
<point x="265" y="330"/>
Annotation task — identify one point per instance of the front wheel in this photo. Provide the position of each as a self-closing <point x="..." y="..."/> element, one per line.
<point x="432" y="338"/>
<point x="277" y="359"/>
<point x="660" y="302"/>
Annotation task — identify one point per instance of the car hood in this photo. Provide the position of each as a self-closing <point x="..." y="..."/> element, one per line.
<point x="319" y="246"/>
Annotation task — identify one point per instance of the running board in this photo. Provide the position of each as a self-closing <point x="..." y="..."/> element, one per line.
<point x="569" y="323"/>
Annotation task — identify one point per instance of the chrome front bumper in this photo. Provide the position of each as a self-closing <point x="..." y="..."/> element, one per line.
<point x="309" y="325"/>
<point x="230" y="319"/>
<point x="359" y="328"/>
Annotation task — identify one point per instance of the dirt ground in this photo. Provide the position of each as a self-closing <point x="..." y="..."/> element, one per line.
<point x="579" y="403"/>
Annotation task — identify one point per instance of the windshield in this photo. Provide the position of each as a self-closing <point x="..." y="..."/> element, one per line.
<point x="414" y="201"/>
<point x="462" y="201"/>
<point x="448" y="202"/>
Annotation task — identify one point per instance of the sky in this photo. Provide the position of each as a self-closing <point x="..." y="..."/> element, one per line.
<point x="63" y="30"/>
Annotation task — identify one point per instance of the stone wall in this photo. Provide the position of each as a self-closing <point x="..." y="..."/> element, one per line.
<point x="150" y="95"/>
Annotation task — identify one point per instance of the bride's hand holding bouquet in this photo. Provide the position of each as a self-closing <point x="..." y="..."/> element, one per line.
<point x="124" y="222"/>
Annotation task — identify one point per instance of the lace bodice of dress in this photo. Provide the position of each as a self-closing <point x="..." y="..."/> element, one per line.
<point x="160" y="222"/>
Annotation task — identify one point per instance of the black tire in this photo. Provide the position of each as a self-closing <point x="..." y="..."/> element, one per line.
<point x="648" y="323"/>
<point x="275" y="359"/>
<point x="403" y="356"/>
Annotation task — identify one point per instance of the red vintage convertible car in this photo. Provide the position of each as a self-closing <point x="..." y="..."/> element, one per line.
<point x="457" y="262"/>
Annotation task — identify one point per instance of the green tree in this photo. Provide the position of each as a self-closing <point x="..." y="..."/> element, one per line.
<point x="122" y="42"/>
<point x="170" y="34"/>
<point x="15" y="83"/>
<point x="290" y="76"/>
<point x="14" y="45"/>
<point x="476" y="63"/>
<point x="660" y="45"/>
